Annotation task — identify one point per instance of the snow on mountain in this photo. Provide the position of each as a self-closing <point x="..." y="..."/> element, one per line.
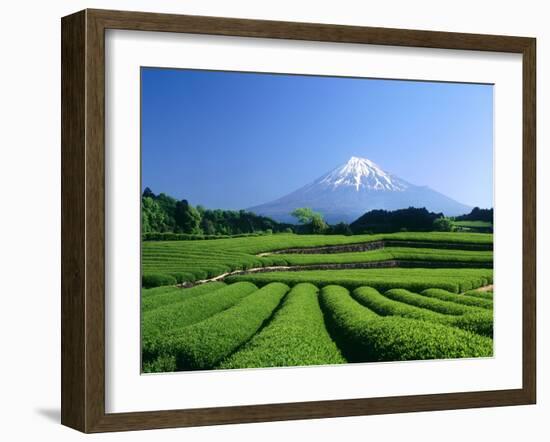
<point x="362" y="173"/>
<point x="356" y="187"/>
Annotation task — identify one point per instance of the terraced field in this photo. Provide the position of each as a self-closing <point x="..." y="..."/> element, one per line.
<point x="295" y="300"/>
<point x="171" y="262"/>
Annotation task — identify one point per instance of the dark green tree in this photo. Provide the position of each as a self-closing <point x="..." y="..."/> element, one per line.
<point x="207" y="226"/>
<point x="187" y="218"/>
<point x="148" y="193"/>
<point x="168" y="206"/>
<point x="152" y="216"/>
<point x="415" y="219"/>
<point x="477" y="214"/>
<point x="341" y="229"/>
<point x="318" y="224"/>
<point x="181" y="217"/>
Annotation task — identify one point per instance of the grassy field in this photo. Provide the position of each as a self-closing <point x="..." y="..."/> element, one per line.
<point x="473" y="226"/>
<point x="390" y="253"/>
<point x="473" y="223"/>
<point x="319" y="316"/>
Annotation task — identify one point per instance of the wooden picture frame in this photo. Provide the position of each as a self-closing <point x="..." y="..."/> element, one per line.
<point x="83" y="220"/>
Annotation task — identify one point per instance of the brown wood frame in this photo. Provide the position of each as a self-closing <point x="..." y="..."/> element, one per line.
<point x="83" y="216"/>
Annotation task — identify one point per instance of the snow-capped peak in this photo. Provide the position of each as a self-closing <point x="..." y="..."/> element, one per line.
<point x="362" y="173"/>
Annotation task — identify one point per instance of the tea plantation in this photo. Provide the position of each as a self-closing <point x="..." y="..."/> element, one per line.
<point x="296" y="300"/>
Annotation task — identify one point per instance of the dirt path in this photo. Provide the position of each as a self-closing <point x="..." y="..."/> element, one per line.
<point x="487" y="288"/>
<point x="235" y="272"/>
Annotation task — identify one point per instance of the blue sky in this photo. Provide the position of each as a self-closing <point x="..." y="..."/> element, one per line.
<point x="234" y="140"/>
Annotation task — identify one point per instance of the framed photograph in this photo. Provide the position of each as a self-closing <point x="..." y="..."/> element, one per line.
<point x="268" y="220"/>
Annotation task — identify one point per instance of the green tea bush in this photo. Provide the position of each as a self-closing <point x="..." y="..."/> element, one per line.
<point x="479" y="321"/>
<point x="414" y="279"/>
<point x="205" y="344"/>
<point x="158" y="324"/>
<point x="149" y="280"/>
<point x="161" y="364"/>
<point x="363" y="336"/>
<point x="383" y="306"/>
<point x="479" y="294"/>
<point x="425" y="302"/>
<point x="296" y="336"/>
<point x="471" y="301"/>
<point x="159" y="296"/>
<point x="182" y="277"/>
<point x="326" y="277"/>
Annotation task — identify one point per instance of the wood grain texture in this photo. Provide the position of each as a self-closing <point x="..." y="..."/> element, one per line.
<point x="95" y="221"/>
<point x="145" y="21"/>
<point x="83" y="219"/>
<point x="73" y="252"/>
<point x="529" y="221"/>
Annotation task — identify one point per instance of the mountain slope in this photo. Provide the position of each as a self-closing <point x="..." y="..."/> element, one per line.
<point x="354" y="188"/>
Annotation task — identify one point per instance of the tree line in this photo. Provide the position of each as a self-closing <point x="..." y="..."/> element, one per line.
<point x="163" y="214"/>
<point x="477" y="214"/>
<point x="412" y="218"/>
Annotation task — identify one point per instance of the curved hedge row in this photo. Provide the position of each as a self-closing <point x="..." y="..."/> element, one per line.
<point x="425" y="302"/>
<point x="150" y="280"/>
<point x="477" y="321"/>
<point x="474" y="319"/>
<point x="471" y="301"/>
<point x="414" y="279"/>
<point x="296" y="336"/>
<point x="160" y="296"/>
<point x="158" y="324"/>
<point x="383" y="306"/>
<point x="205" y="344"/>
<point x="366" y="337"/>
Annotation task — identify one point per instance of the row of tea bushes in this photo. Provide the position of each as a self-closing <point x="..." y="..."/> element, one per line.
<point x="464" y="299"/>
<point x="399" y="302"/>
<point x="160" y="296"/>
<point x="363" y="336"/>
<point x="205" y="344"/>
<point x="413" y="279"/>
<point x="296" y="336"/>
<point x="159" y="324"/>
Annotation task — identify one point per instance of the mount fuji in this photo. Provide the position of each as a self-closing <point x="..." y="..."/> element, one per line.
<point x="350" y="190"/>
